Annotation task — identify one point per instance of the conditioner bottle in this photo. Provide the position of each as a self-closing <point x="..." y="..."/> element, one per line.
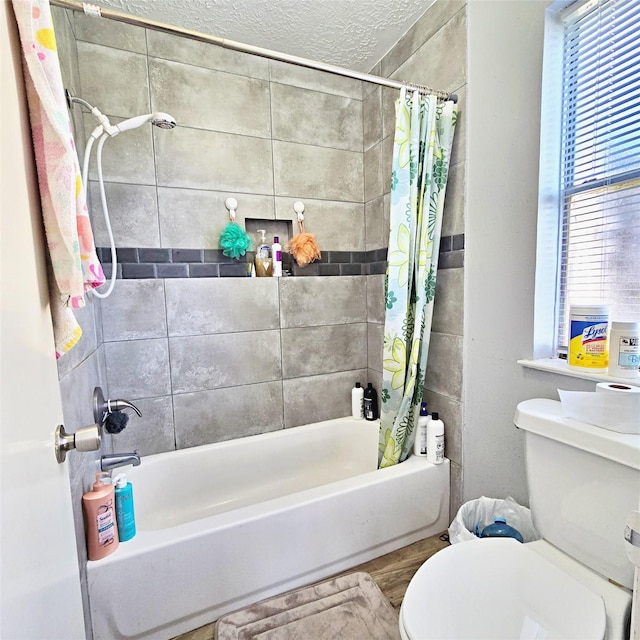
<point x="98" y="506"/>
<point x="370" y="403"/>
<point x="435" y="439"/>
<point x="125" y="514"/>
<point x="420" y="443"/>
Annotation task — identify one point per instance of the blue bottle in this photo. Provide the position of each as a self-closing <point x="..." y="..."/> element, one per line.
<point x="499" y="529"/>
<point x="125" y="515"/>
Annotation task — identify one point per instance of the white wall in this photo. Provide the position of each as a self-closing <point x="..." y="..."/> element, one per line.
<point x="503" y="108"/>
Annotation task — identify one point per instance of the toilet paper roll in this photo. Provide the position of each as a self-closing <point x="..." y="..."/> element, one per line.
<point x="617" y="388"/>
<point x="613" y="406"/>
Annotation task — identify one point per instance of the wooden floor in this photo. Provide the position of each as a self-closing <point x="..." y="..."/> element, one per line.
<point x="391" y="572"/>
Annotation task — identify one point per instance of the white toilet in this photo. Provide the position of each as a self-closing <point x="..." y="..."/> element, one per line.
<point x="574" y="583"/>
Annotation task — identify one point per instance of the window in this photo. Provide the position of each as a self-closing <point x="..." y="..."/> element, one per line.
<point x="597" y="184"/>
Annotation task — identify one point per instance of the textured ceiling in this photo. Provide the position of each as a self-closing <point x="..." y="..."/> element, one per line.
<point x="349" y="33"/>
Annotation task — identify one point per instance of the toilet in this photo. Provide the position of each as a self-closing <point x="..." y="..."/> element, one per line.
<point x="573" y="583"/>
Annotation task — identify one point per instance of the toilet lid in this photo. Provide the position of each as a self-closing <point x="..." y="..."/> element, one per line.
<point x="497" y="588"/>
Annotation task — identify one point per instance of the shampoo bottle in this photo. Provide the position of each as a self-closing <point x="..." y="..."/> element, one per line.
<point x="435" y="439"/>
<point x="370" y="403"/>
<point x="420" y="443"/>
<point x="276" y="256"/>
<point x="357" y="401"/>
<point x="125" y="514"/>
<point x="100" y="519"/>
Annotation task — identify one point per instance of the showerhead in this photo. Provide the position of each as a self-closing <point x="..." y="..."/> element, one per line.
<point x="161" y="120"/>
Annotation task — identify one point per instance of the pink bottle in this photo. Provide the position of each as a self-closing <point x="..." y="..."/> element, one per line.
<point x="98" y="506"/>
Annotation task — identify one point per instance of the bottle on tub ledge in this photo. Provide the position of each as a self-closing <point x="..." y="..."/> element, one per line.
<point x="370" y="403"/>
<point x="100" y="518"/>
<point x="420" y="443"/>
<point x="125" y="514"/>
<point x="435" y="439"/>
<point x="357" y="402"/>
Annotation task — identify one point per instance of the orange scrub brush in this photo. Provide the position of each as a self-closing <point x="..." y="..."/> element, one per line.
<point x="303" y="247"/>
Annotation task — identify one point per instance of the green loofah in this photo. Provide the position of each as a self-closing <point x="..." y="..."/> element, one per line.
<point x="234" y="241"/>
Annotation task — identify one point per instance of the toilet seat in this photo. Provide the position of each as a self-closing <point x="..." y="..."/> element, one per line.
<point x="498" y="588"/>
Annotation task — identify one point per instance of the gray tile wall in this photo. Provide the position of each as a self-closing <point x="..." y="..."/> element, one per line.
<point x="219" y="358"/>
<point x="209" y="359"/>
<point x="264" y="132"/>
<point x="433" y="53"/>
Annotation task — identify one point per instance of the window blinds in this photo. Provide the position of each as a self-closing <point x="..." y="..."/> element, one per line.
<point x="600" y="164"/>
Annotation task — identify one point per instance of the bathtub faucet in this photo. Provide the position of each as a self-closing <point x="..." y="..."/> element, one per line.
<point x="114" y="460"/>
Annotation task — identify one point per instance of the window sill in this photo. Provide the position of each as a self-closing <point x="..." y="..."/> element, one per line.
<point x="556" y="365"/>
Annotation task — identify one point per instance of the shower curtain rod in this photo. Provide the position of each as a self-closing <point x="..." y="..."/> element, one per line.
<point x="119" y="16"/>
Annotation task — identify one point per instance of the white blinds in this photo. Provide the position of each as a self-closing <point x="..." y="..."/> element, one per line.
<point x="600" y="165"/>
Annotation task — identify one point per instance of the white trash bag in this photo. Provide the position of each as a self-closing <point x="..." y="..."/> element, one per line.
<point x="475" y="515"/>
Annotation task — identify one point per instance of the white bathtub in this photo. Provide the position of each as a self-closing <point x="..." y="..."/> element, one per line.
<point x="224" y="525"/>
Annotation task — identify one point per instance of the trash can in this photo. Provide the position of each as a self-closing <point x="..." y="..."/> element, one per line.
<point x="475" y="515"/>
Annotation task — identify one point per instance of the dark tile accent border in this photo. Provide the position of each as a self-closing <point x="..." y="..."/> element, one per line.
<point x="140" y="262"/>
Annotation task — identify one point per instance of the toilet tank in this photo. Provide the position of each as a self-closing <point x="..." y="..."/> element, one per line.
<point x="583" y="482"/>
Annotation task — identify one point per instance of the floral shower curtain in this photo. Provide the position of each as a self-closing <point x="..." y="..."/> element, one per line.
<point x="421" y="154"/>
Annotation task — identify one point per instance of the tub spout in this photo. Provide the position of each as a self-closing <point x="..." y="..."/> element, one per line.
<point x="114" y="460"/>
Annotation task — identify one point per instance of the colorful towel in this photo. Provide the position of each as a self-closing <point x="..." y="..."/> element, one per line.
<point x="74" y="264"/>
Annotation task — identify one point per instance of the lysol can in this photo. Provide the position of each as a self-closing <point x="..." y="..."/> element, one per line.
<point x="589" y="337"/>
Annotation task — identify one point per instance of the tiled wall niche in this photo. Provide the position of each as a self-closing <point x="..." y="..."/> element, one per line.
<point x="214" y="358"/>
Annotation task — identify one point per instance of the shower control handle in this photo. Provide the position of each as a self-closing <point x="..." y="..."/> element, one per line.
<point x="102" y="407"/>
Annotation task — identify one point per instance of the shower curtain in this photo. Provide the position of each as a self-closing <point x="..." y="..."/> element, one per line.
<point x="421" y="154"/>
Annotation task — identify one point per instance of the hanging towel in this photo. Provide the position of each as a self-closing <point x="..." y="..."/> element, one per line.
<point x="74" y="264"/>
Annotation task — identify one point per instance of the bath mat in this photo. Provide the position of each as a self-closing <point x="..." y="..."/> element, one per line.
<point x="351" y="607"/>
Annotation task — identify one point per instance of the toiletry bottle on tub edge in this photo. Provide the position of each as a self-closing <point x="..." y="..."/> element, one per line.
<point x="370" y="403"/>
<point x="98" y="506"/>
<point x="125" y="513"/>
<point x="357" y="401"/>
<point x="435" y="439"/>
<point x="420" y="443"/>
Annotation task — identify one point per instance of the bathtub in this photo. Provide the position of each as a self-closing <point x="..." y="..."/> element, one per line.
<point x="225" y="525"/>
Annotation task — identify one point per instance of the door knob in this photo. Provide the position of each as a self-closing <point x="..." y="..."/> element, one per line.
<point x="85" y="439"/>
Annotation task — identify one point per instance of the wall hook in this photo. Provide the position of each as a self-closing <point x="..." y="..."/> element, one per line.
<point x="232" y="205"/>
<point x="298" y="207"/>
